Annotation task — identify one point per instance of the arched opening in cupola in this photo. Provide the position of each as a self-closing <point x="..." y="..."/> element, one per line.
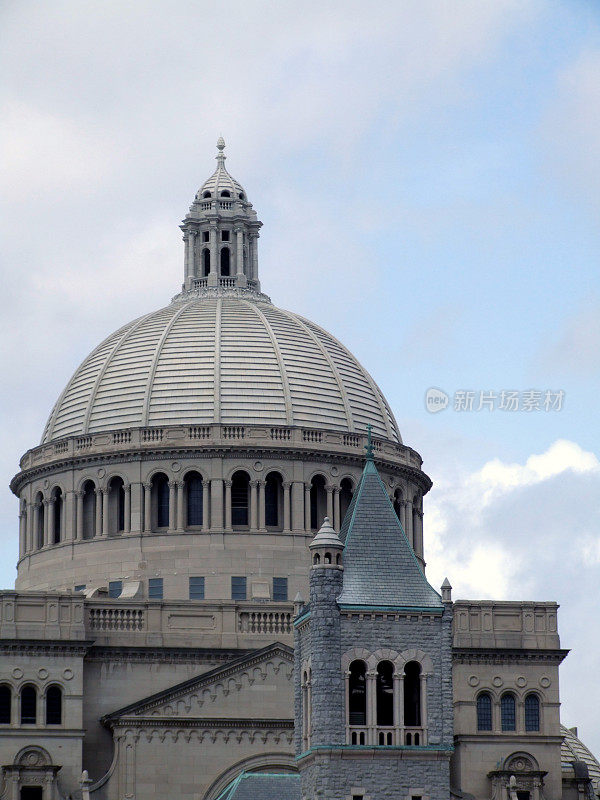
<point x="225" y="262"/>
<point x="240" y="500"/>
<point x="357" y="693"/>
<point x="206" y="194"/>
<point x="116" y="505"/>
<point x="318" y="502"/>
<point x="89" y="510"/>
<point x="385" y="693"/>
<point x="274" y="501"/>
<point x="160" y="500"/>
<point x="57" y="512"/>
<point x="412" y="694"/>
<point x="194" y="499"/>
<point x="39" y="528"/>
<point x="205" y="262"/>
<point x="225" y="193"/>
<point x="346" y="492"/>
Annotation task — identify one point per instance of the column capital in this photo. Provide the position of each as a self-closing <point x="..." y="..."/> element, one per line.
<point x="46" y="501"/>
<point x="179" y="484"/>
<point x="147" y="486"/>
<point x="253" y="484"/>
<point x="336" y="490"/>
<point x="287" y="484"/>
<point x="127" y="487"/>
<point x="172" y="484"/>
<point x="228" y="484"/>
<point x="79" y="493"/>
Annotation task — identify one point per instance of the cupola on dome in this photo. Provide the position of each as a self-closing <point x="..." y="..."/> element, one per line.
<point x="221" y="352"/>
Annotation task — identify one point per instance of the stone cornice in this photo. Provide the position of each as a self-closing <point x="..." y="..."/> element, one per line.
<point x="197" y="722"/>
<point x="491" y="655"/>
<point x="347" y="751"/>
<point x="168" y="655"/>
<point x="43" y="646"/>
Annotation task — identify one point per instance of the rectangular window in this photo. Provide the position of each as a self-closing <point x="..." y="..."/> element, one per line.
<point x="280" y="590"/>
<point x="155" y="588"/>
<point x="196" y="588"/>
<point x="79" y="587"/>
<point x="238" y="588"/>
<point x="115" y="588"/>
<point x="225" y="236"/>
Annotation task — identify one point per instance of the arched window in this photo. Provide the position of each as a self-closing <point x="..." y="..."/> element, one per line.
<point x="5" y="704"/>
<point x="318" y="502"/>
<point x="206" y="195"/>
<point x="316" y="558"/>
<point x="194" y="498"/>
<point x="412" y="694"/>
<point x="54" y="706"/>
<point x="225" y="262"/>
<point x="273" y="500"/>
<point x="346" y="492"/>
<point x="385" y="693"/>
<point x="240" y="485"/>
<point x="57" y="511"/>
<point x="357" y="693"/>
<point x="225" y="193"/>
<point x="205" y="262"/>
<point x="532" y="713"/>
<point x="28" y="705"/>
<point x="484" y="712"/>
<point x="89" y="510"/>
<point x="241" y="195"/>
<point x="160" y="495"/>
<point x="508" y="712"/>
<point x="116" y="505"/>
<point x="398" y="503"/>
<point x="39" y="533"/>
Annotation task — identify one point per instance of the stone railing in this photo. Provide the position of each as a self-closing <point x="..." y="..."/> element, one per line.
<point x="266" y="622"/>
<point x="505" y="624"/>
<point x="388" y="736"/>
<point x="215" y="435"/>
<point x="116" y="619"/>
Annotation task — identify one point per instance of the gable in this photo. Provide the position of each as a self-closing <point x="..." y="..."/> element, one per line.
<point x="260" y="681"/>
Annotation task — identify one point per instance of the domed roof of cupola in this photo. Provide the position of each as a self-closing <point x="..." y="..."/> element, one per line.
<point x="220" y="181"/>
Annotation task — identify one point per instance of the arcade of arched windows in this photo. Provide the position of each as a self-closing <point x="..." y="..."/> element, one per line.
<point x="167" y="502"/>
<point x="510" y="711"/>
<point x="222" y="250"/>
<point x="31" y="705"/>
<point x="386" y="697"/>
<point x="409" y="510"/>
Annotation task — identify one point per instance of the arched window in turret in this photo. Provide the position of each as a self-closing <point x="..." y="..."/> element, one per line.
<point x="240" y="487"/>
<point x="318" y="502"/>
<point x="28" y="705"/>
<point x="160" y="498"/>
<point x="194" y="496"/>
<point x="225" y="262"/>
<point x="225" y="193"/>
<point x="273" y="500"/>
<point x="116" y="505"/>
<point x="385" y="693"/>
<point x="412" y="694"/>
<point x="484" y="712"/>
<point x="89" y="510"/>
<point x="508" y="712"/>
<point x="205" y="262"/>
<point x="357" y="694"/>
<point x="532" y="713"/>
<point x="39" y="532"/>
<point x="206" y="194"/>
<point x="346" y="492"/>
<point x="57" y="511"/>
<point x="54" y="706"/>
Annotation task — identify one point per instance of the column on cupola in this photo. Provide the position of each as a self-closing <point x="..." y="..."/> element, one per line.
<point x="136" y="507"/>
<point x="79" y="515"/>
<point x="329" y="491"/>
<point x="190" y="252"/>
<point x="261" y="506"/>
<point x="205" y="506"/>
<point x="172" y="504"/>
<point x="47" y="515"/>
<point x="307" y="526"/>
<point x="297" y="506"/>
<point x="286" y="506"/>
<point x="254" y="255"/>
<point x="253" y="505"/>
<point x="418" y="531"/>
<point x="216" y="504"/>
<point x="36" y="525"/>
<point x="409" y="523"/>
<point x="105" y="511"/>
<point x="127" y="508"/>
<point x="241" y="278"/>
<point x="30" y="527"/>
<point x="336" y="509"/>
<point x="147" y="507"/>
<point x="213" y="274"/>
<point x="22" y="532"/>
<point x="180" y="505"/>
<point x="228" y="526"/>
<point x="70" y="521"/>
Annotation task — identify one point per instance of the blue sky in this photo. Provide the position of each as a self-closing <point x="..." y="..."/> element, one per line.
<point x="428" y="176"/>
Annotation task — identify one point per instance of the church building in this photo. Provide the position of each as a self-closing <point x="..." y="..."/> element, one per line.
<point x="221" y="589"/>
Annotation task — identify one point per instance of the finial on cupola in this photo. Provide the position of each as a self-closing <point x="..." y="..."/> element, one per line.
<point x="220" y="147"/>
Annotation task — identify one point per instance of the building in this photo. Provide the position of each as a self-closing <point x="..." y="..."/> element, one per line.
<point x="167" y="519"/>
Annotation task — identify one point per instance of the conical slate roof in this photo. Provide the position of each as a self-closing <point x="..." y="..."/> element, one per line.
<point x="380" y="567"/>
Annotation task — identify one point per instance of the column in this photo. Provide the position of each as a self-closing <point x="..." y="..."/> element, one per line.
<point x="347" y="704"/>
<point x="48" y="508"/>
<point x="147" y="507"/>
<point x="403" y="515"/>
<point x="213" y="274"/>
<point x="190" y="253"/>
<point x="408" y="511"/>
<point x="424" y="708"/>
<point x="261" y="506"/>
<point x="297" y="506"/>
<point x="371" y="707"/>
<point x="205" y="506"/>
<point x="329" y="490"/>
<point x="253" y="505"/>
<point x="228" y="506"/>
<point x="127" y="508"/>
<point x="216" y="504"/>
<point x="69" y="520"/>
<point x="336" y="509"/>
<point x="399" y="706"/>
<point x="307" y="526"/>
<point x="254" y="255"/>
<point x="172" y="504"/>
<point x="136" y="510"/>
<point x="36" y="525"/>
<point x="105" y="511"/>
<point x="419" y="533"/>
<point x="22" y="533"/>
<point x="239" y="232"/>
<point x="98" y="512"/>
<point x="30" y="527"/>
<point x="180" y="504"/>
<point x="286" y="506"/>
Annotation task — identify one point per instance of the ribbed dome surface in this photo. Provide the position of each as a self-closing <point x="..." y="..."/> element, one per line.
<point x="220" y="360"/>
<point x="573" y="749"/>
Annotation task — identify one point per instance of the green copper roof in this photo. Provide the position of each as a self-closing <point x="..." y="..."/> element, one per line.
<point x="380" y="567"/>
<point x="263" y="786"/>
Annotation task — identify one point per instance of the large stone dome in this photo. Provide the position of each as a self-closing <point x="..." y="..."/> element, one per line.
<point x="225" y="360"/>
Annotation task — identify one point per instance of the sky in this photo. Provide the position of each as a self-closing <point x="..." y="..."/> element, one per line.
<point x="428" y="177"/>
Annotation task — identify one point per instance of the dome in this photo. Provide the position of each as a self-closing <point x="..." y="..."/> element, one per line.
<point x="220" y="359"/>
<point x="221" y="181"/>
<point x="573" y="749"/>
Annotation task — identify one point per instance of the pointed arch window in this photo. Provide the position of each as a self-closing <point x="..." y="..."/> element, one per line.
<point x="357" y="693"/>
<point x="484" y="712"/>
<point x="508" y="712"/>
<point x="532" y="713"/>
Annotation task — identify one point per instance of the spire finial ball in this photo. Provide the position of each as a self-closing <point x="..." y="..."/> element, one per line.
<point x="220" y="143"/>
